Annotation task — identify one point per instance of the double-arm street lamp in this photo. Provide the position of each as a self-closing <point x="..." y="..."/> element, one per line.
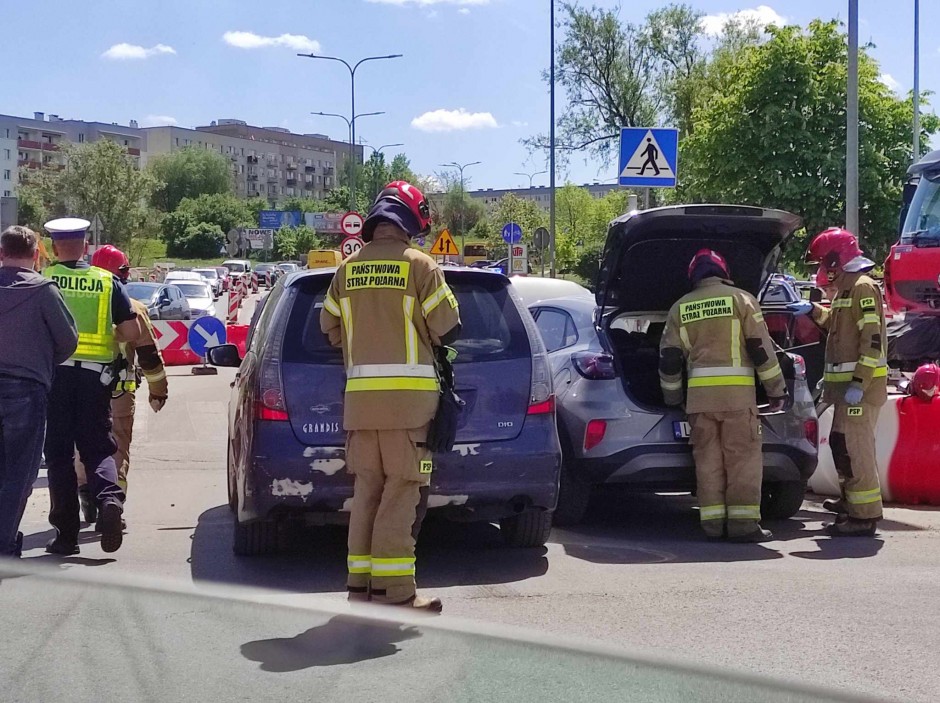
<point x="352" y="121"/>
<point x="530" y="175"/>
<point x="461" y="167"/>
<point x="377" y="151"/>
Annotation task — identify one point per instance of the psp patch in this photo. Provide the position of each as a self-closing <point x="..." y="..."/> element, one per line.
<point x="867" y="302"/>
<point x="426" y="466"/>
<point x="362" y="275"/>
<point x="706" y="309"/>
<point x="856" y="411"/>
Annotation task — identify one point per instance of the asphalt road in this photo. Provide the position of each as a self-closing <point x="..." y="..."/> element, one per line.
<point x="856" y="615"/>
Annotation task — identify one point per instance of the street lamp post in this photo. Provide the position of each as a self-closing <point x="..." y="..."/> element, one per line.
<point x="530" y="175"/>
<point x="916" y="81"/>
<point x="352" y="126"/>
<point x="851" y="114"/>
<point x="375" y="185"/>
<point x="551" y="137"/>
<point x="463" y="236"/>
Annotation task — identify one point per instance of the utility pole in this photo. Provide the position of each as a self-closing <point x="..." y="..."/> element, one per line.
<point x="463" y="195"/>
<point x="551" y="137"/>
<point x="916" y="81"/>
<point x="851" y="115"/>
<point x="352" y="122"/>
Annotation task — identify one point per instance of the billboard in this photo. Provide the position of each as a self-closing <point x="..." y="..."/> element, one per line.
<point x="275" y="219"/>
<point x="325" y="222"/>
<point x="260" y="238"/>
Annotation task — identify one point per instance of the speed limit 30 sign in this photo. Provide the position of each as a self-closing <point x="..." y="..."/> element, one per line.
<point x="350" y="246"/>
<point x="351" y="224"/>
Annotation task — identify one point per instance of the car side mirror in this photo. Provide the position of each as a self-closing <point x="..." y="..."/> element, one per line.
<point x="224" y="355"/>
<point x="164" y="302"/>
<point x="815" y="295"/>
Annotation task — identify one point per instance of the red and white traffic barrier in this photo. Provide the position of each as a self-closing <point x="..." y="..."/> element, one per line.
<point x="907" y="447"/>
<point x="233" y="301"/>
<point x="173" y="342"/>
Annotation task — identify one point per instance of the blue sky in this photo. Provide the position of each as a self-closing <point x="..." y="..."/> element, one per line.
<point x="467" y="89"/>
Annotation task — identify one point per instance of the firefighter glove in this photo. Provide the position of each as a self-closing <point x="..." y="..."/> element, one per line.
<point x="801" y="308"/>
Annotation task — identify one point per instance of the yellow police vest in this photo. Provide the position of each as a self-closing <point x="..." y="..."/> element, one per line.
<point x="87" y="294"/>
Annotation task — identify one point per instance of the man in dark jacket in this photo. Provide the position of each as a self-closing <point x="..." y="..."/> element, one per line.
<point x="37" y="333"/>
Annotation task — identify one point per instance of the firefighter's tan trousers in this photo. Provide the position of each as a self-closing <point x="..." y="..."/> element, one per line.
<point x="852" y="441"/>
<point x="729" y="469"/>
<point x="389" y="500"/>
<point x="122" y="416"/>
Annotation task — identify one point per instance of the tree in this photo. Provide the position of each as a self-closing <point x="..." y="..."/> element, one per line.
<point x="295" y="242"/>
<point x="775" y="136"/>
<point x="400" y="170"/>
<point x="188" y="173"/>
<point x="224" y="211"/>
<point x="581" y="227"/>
<point x="459" y="212"/>
<point x="99" y="179"/>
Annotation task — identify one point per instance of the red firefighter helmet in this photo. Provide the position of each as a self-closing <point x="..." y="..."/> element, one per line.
<point x="112" y="259"/>
<point x="832" y="249"/>
<point x="412" y="198"/>
<point x="926" y="382"/>
<point x="710" y="258"/>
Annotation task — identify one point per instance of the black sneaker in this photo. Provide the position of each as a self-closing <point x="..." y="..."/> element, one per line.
<point x="62" y="547"/>
<point x="109" y="524"/>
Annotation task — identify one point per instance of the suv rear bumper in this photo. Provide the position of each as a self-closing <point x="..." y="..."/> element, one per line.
<point x="476" y="481"/>
<point x="672" y="465"/>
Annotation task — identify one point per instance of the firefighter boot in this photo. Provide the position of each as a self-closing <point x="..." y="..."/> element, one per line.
<point x="755" y="537"/>
<point x="853" y="527"/>
<point x="89" y="509"/>
<point x="358" y="594"/>
<point x="430" y="605"/>
<point x="834" y="505"/>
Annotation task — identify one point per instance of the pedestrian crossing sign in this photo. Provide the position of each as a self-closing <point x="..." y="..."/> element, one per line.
<point x="444" y="245"/>
<point x="648" y="157"/>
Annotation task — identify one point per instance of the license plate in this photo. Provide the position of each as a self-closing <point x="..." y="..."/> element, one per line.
<point x="682" y="430"/>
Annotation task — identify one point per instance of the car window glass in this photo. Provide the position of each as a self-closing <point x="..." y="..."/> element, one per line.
<point x="491" y="328"/>
<point x="258" y="331"/>
<point x="557" y="329"/>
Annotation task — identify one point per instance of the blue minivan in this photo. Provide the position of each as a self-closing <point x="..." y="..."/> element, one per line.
<point x="286" y="456"/>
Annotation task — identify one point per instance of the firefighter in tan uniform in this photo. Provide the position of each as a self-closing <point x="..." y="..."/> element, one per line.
<point x="387" y="306"/>
<point x="855" y="380"/>
<point x="718" y="336"/>
<point x="143" y="355"/>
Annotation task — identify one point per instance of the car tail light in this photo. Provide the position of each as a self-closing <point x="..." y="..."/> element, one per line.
<point x="596" y="366"/>
<point x="811" y="431"/>
<point x="541" y="393"/>
<point x="271" y="403"/>
<point x="594" y="434"/>
<point x="799" y="364"/>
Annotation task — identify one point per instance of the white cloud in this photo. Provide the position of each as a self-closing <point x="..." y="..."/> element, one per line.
<point x="250" y="40"/>
<point x="124" y="51"/>
<point x="890" y="81"/>
<point x="451" y="120"/>
<point x="426" y="3"/>
<point x="762" y="15"/>
<point x="463" y="11"/>
<point x="519" y="123"/>
<point x="159" y="121"/>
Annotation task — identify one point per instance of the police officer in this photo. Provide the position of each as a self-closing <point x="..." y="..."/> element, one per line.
<point x="855" y="379"/>
<point x="79" y="414"/>
<point x="718" y="335"/>
<point x="140" y="359"/>
<point x="387" y="306"/>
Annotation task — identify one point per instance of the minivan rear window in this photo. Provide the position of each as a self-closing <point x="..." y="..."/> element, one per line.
<point x="491" y="327"/>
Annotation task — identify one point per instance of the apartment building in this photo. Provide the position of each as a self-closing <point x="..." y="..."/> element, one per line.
<point x="37" y="143"/>
<point x="269" y="162"/>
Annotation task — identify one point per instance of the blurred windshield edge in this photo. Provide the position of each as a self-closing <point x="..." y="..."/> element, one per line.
<point x="563" y="645"/>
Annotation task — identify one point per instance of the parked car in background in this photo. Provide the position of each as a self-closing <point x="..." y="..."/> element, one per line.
<point x="614" y="426"/>
<point x="211" y="277"/>
<point x="199" y="295"/>
<point x="503" y="267"/>
<point x="286" y="454"/>
<point x="286" y="267"/>
<point x="164" y="302"/>
<point x="267" y="274"/>
<point x="532" y="289"/>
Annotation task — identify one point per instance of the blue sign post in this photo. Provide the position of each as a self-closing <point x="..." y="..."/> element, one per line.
<point x="206" y="332"/>
<point x="649" y="158"/>
<point x="512" y="233"/>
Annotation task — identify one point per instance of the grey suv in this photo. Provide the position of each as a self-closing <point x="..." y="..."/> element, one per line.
<point x="614" y="426"/>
